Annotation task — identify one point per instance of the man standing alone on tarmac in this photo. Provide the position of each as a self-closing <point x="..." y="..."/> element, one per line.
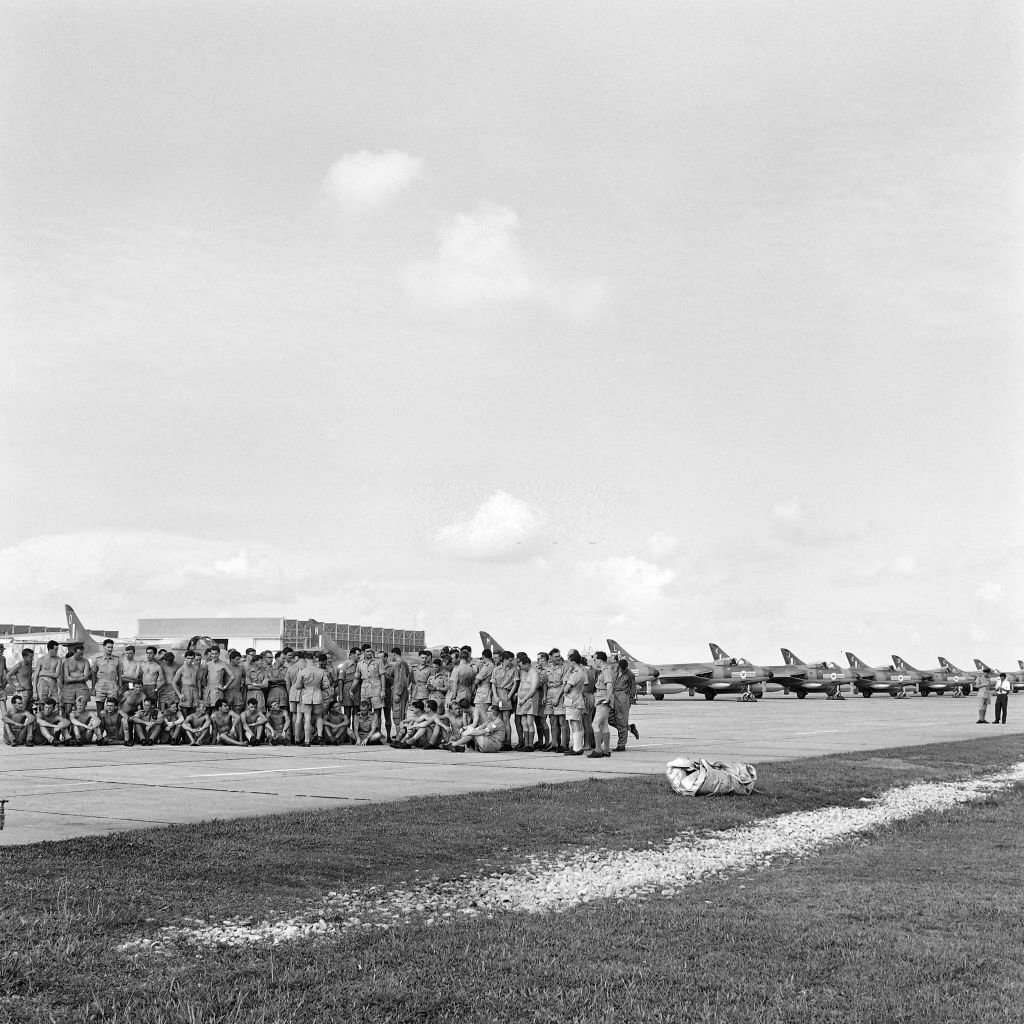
<point x="1002" y="698"/>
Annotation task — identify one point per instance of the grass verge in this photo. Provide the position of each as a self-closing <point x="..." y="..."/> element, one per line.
<point x="910" y="924"/>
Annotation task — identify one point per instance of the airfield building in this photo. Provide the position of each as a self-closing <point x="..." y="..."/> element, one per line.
<point x="274" y="633"/>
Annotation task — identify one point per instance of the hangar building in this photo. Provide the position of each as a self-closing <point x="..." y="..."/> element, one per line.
<point x="274" y="633"/>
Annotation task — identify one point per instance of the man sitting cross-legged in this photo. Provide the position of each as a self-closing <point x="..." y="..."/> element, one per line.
<point x="279" y="724"/>
<point x="112" y="722"/>
<point x="196" y="726"/>
<point x="174" y="723"/>
<point x="52" y="725"/>
<point x="250" y="725"/>
<point x="487" y="738"/>
<point x="222" y="724"/>
<point x="336" y="724"/>
<point x="146" y="723"/>
<point x="85" y="724"/>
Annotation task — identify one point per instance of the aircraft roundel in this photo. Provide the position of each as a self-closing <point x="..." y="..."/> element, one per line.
<point x="832" y="676"/>
<point x="899" y="678"/>
<point x="743" y="674"/>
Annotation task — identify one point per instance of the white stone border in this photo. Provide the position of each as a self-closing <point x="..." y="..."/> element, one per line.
<point x="557" y="883"/>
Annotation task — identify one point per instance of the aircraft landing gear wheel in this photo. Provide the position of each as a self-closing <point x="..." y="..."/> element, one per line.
<point x="865" y="693"/>
<point x="710" y="694"/>
<point x="659" y="696"/>
<point x="801" y="694"/>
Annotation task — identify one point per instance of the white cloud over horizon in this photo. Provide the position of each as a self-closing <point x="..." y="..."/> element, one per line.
<point x="627" y="582"/>
<point x="503" y="528"/>
<point x="363" y="182"/>
<point x="481" y="260"/>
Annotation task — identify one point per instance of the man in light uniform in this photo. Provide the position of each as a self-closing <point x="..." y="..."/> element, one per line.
<point x="483" y="698"/>
<point x="106" y="671"/>
<point x="574" y="680"/>
<point x="349" y="681"/>
<point x="314" y="684"/>
<point x="504" y="681"/>
<point x="554" y="703"/>
<point x="421" y="677"/>
<point x="370" y="674"/>
<point x="604" y="696"/>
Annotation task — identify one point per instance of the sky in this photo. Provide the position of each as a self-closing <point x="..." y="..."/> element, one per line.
<point x="672" y="322"/>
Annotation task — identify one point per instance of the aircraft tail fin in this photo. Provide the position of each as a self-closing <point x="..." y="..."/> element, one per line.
<point x="981" y="666"/>
<point x="947" y="664"/>
<point x="78" y="634"/>
<point x="854" y="661"/>
<point x="618" y="651"/>
<point x="1020" y="664"/>
<point x="717" y="654"/>
<point x="789" y="657"/>
<point x="901" y="665"/>
<point x="488" y="641"/>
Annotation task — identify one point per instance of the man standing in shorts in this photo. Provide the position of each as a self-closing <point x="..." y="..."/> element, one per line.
<point x="527" y="701"/>
<point x="349" y="678"/>
<point x="371" y="686"/>
<point x="77" y="679"/>
<point x="604" y="696"/>
<point x="48" y="675"/>
<point x="151" y="675"/>
<point x="234" y="688"/>
<point x="131" y="670"/>
<point x="554" y="703"/>
<point x="106" y="671"/>
<point x="314" y="683"/>
<point x="19" y="679"/>
<point x="421" y="677"/>
<point x="574" y="680"/>
<point x="276" y="666"/>
<point x="186" y="682"/>
<point x="503" y="686"/>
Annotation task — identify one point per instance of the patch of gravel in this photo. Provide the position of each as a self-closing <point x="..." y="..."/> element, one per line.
<point x="560" y="882"/>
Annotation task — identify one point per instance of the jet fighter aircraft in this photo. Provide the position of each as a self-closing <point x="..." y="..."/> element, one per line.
<point x="881" y="679"/>
<point x="800" y="678"/>
<point x="723" y="675"/>
<point x="930" y="681"/>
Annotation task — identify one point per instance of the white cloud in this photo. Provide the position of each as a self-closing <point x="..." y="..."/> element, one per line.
<point x="661" y="544"/>
<point x="503" y="528"/>
<point x="481" y="260"/>
<point x="627" y="581"/>
<point x="362" y="182"/>
<point x="788" y="511"/>
<point x="990" y="592"/>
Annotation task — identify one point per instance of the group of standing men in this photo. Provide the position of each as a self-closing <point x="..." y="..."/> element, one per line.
<point x="551" y="704"/>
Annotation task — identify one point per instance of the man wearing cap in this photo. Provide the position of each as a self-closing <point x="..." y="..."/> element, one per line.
<point x="48" y="675"/>
<point x="106" y="670"/>
<point x="77" y="679"/>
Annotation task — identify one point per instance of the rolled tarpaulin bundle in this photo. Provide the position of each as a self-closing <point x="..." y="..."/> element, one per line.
<point x="710" y="778"/>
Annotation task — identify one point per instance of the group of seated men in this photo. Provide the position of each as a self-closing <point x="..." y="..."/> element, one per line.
<point x="452" y="700"/>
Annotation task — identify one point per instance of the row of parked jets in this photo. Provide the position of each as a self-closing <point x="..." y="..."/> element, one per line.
<point x="722" y="674"/>
<point x="725" y="674"/>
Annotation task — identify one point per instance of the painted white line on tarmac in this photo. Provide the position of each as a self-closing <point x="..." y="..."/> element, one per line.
<point x="273" y="771"/>
<point x="816" y="732"/>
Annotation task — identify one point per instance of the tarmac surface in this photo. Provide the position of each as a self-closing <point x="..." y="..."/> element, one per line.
<point x="59" y="793"/>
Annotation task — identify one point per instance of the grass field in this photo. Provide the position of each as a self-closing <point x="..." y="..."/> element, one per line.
<point x="921" y="921"/>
